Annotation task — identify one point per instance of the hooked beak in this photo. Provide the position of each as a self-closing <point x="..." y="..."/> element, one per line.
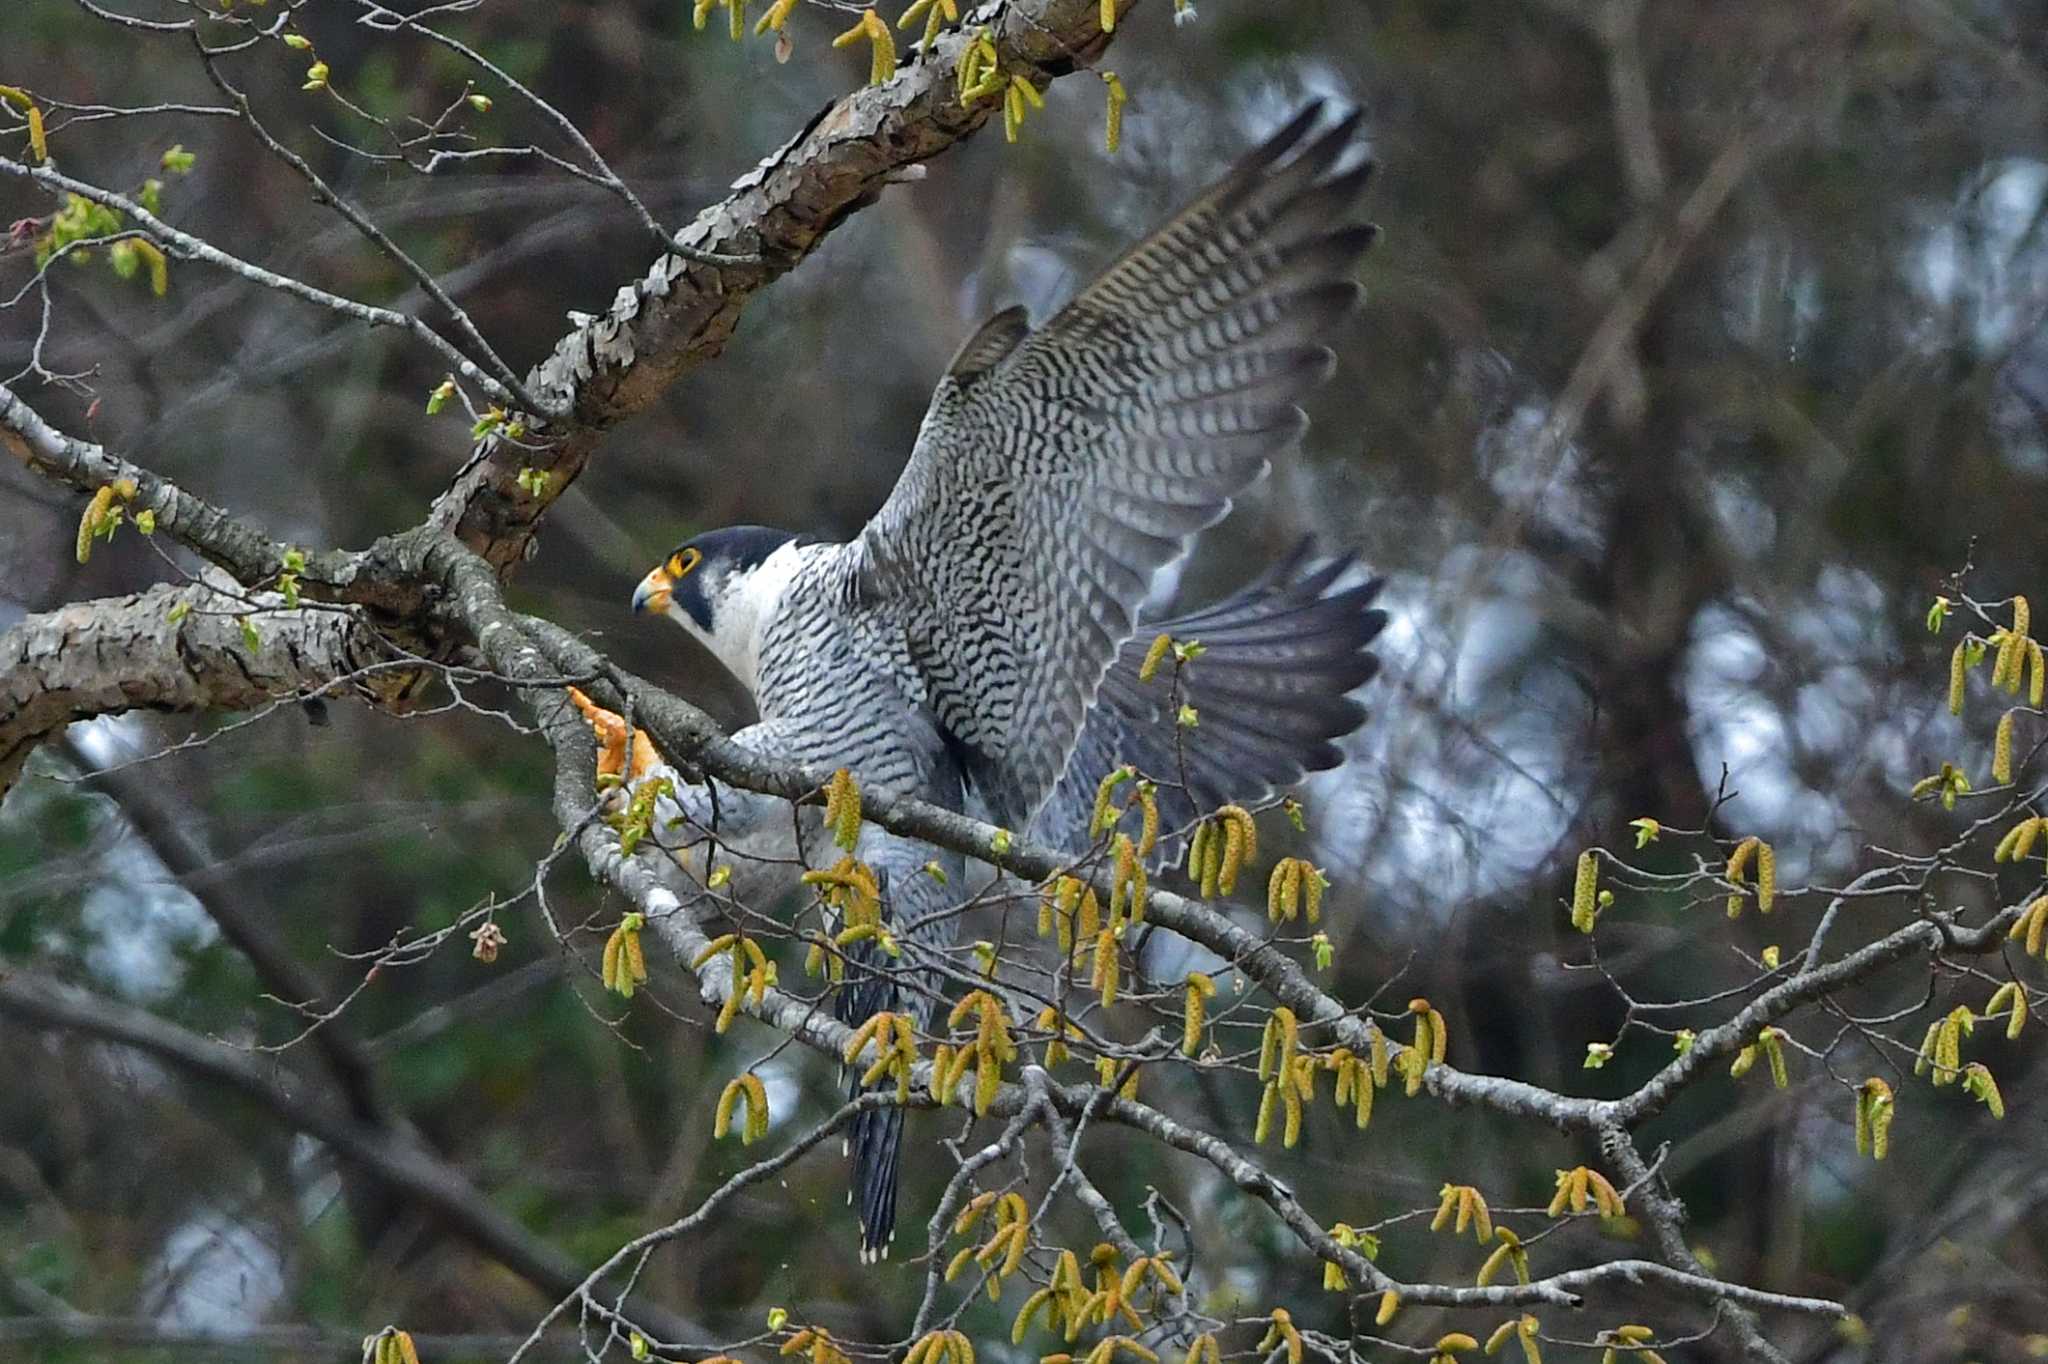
<point x="653" y="592"/>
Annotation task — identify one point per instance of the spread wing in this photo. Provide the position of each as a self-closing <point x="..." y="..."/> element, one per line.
<point x="1272" y="687"/>
<point x="1057" y="469"/>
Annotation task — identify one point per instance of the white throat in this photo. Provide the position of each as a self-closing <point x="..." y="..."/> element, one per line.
<point x="741" y="608"/>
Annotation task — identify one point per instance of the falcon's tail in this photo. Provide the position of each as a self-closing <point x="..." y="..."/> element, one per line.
<point x="874" y="1142"/>
<point x="1270" y="693"/>
<point x="876" y="1147"/>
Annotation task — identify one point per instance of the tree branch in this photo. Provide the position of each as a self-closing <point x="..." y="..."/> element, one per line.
<point x="185" y="246"/>
<point x="219" y="653"/>
<point x="213" y="531"/>
<point x="682" y="311"/>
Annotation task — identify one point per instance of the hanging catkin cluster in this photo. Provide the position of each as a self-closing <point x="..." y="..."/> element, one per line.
<point x="991" y="1047"/>
<point x="752" y="973"/>
<point x="895" y="1047"/>
<point x="747" y="1088"/>
<point x="1224" y="844"/>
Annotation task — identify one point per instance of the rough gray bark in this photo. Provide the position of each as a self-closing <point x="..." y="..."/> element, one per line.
<point x="128" y="653"/>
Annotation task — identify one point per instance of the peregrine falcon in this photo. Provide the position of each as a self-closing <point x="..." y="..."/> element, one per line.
<point x="979" y="643"/>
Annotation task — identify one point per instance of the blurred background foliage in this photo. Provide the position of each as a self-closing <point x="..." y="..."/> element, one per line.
<point x="1705" y="340"/>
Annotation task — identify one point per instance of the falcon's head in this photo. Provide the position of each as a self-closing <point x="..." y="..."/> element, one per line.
<point x="720" y="587"/>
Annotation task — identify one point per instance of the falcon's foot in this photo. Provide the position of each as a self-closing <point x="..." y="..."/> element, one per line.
<point x="612" y="730"/>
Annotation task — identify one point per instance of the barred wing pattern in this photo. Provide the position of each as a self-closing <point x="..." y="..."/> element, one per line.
<point x="1056" y="470"/>
<point x="1271" y="693"/>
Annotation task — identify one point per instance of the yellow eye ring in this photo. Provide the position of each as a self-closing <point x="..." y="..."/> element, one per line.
<point x="684" y="561"/>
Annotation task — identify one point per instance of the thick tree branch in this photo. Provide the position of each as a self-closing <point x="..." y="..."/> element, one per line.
<point x="144" y="653"/>
<point x="682" y="311"/>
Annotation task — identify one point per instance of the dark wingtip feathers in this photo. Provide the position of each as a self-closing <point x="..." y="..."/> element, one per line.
<point x="1295" y="160"/>
<point x="1275" y="148"/>
<point x="1282" y="657"/>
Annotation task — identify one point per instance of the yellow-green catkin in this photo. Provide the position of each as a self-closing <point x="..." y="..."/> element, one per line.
<point x="2009" y="649"/>
<point x="842" y="809"/>
<point x="1584" y="888"/>
<point x="1283" y="890"/>
<point x="1106" y="814"/>
<point x="755" y="1095"/>
<point x="1205" y="859"/>
<point x="1155" y="655"/>
<point x="1113" y="137"/>
<point x="1737" y="869"/>
<point x="1200" y="990"/>
<point x="883" y="45"/>
<point x="1874" y="1107"/>
<point x="95" y="515"/>
<point x="2018" y="841"/>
